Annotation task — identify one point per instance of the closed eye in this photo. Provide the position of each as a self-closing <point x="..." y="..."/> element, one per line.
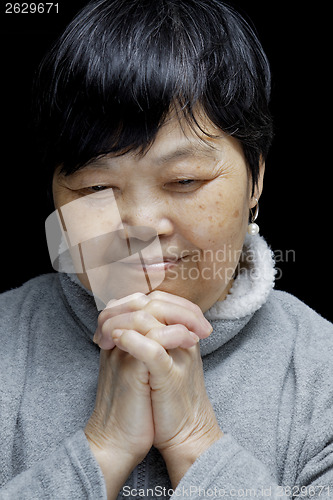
<point x="185" y="182"/>
<point x="98" y="191"/>
<point x="98" y="188"/>
<point x="184" y="185"/>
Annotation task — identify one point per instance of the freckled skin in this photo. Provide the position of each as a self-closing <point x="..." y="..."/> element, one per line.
<point x="205" y="219"/>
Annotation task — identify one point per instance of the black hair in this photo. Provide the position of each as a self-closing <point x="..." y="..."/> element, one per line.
<point x="112" y="78"/>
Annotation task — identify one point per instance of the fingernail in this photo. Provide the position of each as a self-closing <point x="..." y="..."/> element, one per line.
<point x="110" y="303"/>
<point x="97" y="336"/>
<point x="207" y="322"/>
<point x="116" y="334"/>
<point x="207" y="325"/>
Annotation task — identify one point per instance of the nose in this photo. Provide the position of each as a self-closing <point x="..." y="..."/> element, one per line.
<point x="133" y="239"/>
<point x="144" y="218"/>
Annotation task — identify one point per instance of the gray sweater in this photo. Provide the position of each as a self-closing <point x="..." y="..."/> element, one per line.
<point x="268" y="370"/>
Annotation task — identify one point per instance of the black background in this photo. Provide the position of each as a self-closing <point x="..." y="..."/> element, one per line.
<point x="295" y="208"/>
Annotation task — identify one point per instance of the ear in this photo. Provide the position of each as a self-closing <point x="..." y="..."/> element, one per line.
<point x="260" y="184"/>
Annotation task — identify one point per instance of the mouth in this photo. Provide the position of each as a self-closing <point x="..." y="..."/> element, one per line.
<point x="150" y="264"/>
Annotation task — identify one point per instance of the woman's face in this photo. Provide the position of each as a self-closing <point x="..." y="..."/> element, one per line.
<point x="194" y="195"/>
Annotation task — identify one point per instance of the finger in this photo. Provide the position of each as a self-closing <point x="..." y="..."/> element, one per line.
<point x="173" y="336"/>
<point x="115" y="307"/>
<point x="169" y="337"/>
<point x="140" y="321"/>
<point x="105" y="343"/>
<point x="144" y="349"/>
<point x="143" y="322"/>
<point x="177" y="314"/>
<point x="139" y="300"/>
<point x="132" y="302"/>
<point x="167" y="308"/>
<point x="174" y="299"/>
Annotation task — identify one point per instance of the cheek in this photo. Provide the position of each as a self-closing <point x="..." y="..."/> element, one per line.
<point x="219" y="218"/>
<point x="90" y="217"/>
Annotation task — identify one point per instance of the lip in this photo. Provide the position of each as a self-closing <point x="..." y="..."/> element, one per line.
<point x="160" y="266"/>
<point x="151" y="264"/>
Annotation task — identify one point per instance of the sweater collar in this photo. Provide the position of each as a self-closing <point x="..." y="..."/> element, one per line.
<point x="250" y="290"/>
<point x="254" y="281"/>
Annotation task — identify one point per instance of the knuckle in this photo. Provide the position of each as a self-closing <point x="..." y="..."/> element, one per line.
<point x="140" y="299"/>
<point x="153" y="307"/>
<point x="182" y="329"/>
<point x="136" y="298"/>
<point x="140" y="317"/>
<point x="157" y="295"/>
<point x="197" y="310"/>
<point x="137" y="295"/>
<point x="156" y="334"/>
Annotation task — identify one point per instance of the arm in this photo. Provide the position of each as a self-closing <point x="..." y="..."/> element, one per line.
<point x="71" y="472"/>
<point x="230" y="471"/>
<point x="197" y="454"/>
<point x="115" y="467"/>
<point x="181" y="458"/>
<point x="306" y="466"/>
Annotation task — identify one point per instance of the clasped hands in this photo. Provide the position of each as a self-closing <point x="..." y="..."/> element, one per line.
<point x="151" y="389"/>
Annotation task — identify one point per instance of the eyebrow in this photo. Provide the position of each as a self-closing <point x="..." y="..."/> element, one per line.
<point x="188" y="151"/>
<point x="191" y="150"/>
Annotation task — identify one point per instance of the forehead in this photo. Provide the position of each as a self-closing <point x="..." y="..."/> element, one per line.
<point x="177" y="141"/>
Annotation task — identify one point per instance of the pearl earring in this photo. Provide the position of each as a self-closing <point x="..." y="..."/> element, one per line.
<point x="253" y="228"/>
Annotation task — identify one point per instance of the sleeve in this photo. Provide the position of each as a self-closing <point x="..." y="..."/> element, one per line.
<point x="70" y="473"/>
<point x="227" y="470"/>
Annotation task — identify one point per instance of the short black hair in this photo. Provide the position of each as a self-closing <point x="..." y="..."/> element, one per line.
<point x="112" y="78"/>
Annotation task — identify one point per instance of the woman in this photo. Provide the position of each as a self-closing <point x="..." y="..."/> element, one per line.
<point x="196" y="379"/>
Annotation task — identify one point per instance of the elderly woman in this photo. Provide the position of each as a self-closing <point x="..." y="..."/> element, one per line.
<point x="197" y="378"/>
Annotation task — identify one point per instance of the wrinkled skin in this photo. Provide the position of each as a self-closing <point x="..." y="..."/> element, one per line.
<point x="151" y="390"/>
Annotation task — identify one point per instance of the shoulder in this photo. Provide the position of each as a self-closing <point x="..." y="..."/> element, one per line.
<point x="300" y="314"/>
<point x="40" y="286"/>
<point x="19" y="305"/>
<point x="309" y="372"/>
<point x="20" y="310"/>
<point x="298" y="325"/>
<point x="294" y="305"/>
